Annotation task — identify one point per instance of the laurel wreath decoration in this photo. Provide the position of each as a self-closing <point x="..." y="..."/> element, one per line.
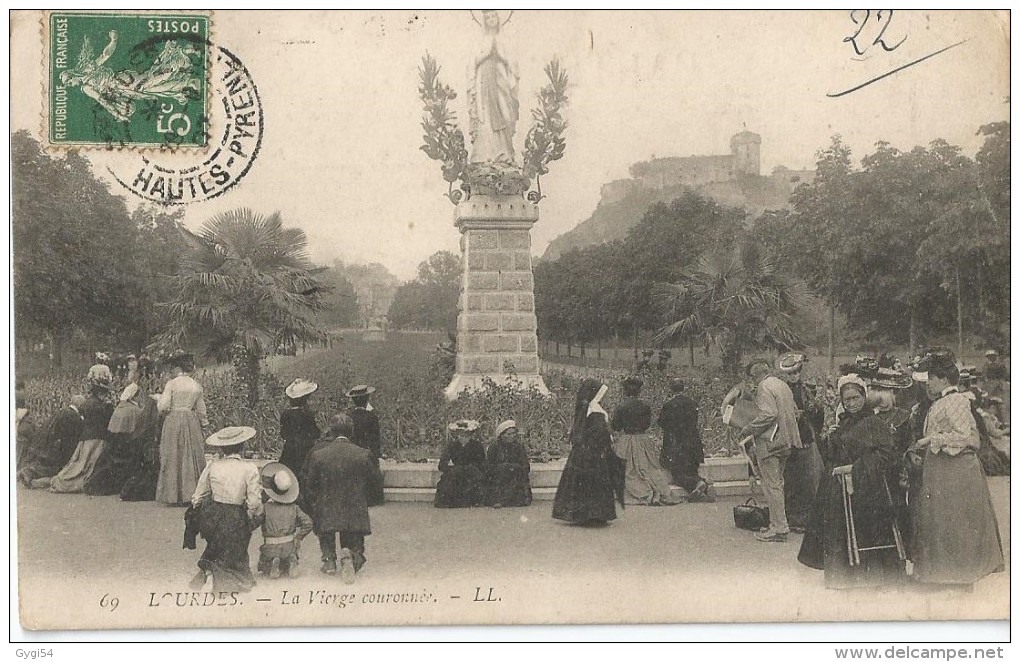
<point x="444" y="141"/>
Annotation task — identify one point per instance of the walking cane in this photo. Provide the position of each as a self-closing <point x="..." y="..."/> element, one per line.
<point x="851" y="552"/>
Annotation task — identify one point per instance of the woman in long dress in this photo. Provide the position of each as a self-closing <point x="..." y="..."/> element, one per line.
<point x="95" y="414"/>
<point x="181" y="449"/>
<point x="862" y="452"/>
<point x="297" y="425"/>
<point x="228" y="500"/>
<point x="647" y="483"/>
<point x="462" y="468"/>
<point x="593" y="473"/>
<point x="956" y="534"/>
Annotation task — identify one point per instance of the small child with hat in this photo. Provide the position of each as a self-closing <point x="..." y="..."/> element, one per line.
<point x="285" y="524"/>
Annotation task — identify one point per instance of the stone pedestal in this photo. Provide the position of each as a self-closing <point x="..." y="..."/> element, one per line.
<point x="496" y="325"/>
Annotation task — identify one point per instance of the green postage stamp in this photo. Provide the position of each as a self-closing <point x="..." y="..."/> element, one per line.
<point x="127" y="79"/>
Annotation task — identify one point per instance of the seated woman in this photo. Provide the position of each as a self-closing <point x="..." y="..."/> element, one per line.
<point x="647" y="482"/>
<point x="228" y="500"/>
<point x="593" y="473"/>
<point x="508" y="469"/>
<point x="861" y="452"/>
<point x="53" y="445"/>
<point x="117" y="461"/>
<point x="96" y="413"/>
<point x="462" y="467"/>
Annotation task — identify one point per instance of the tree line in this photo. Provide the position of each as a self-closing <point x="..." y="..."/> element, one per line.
<point x="906" y="247"/>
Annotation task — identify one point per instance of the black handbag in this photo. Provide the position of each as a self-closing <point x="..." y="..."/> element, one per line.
<point x="750" y="516"/>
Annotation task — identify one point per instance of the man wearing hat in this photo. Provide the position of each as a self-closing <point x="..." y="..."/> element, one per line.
<point x="774" y="400"/>
<point x="335" y="476"/>
<point x="366" y="434"/>
<point x="285" y="524"/>
<point x="804" y="465"/>
<point x="297" y="424"/>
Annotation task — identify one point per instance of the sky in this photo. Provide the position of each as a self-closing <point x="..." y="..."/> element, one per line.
<point x="340" y="155"/>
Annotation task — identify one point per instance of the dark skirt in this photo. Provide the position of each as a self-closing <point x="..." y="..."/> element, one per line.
<point x="461" y="486"/>
<point x="509" y="485"/>
<point x="374" y="485"/>
<point x="227" y="533"/>
<point x="825" y="542"/>
<point x="585" y="492"/>
<point x="114" y="467"/>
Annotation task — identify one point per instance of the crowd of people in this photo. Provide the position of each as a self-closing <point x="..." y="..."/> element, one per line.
<point x="884" y="478"/>
<point x="887" y="483"/>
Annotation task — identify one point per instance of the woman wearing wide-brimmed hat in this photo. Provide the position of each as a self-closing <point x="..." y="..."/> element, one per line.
<point x="367" y="434"/>
<point x="228" y="499"/>
<point x="181" y="455"/>
<point x="297" y="424"/>
<point x="285" y="524"/>
<point x="593" y="474"/>
<point x="96" y="413"/>
<point x="462" y="468"/>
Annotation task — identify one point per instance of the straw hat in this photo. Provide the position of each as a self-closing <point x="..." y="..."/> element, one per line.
<point x="464" y="425"/>
<point x="299" y="388"/>
<point x="360" y="390"/>
<point x="231" y="436"/>
<point x="790" y="362"/>
<point x="279" y="482"/>
<point x="504" y="426"/>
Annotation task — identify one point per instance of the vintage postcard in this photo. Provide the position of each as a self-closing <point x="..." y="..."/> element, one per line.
<point x="498" y="317"/>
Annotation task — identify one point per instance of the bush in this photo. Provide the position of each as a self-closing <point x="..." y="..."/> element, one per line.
<point x="413" y="412"/>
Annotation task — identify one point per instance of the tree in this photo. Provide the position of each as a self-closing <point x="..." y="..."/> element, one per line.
<point x="340" y="303"/>
<point x="245" y="289"/>
<point x="74" y="248"/>
<point x="736" y="299"/>
<point x="429" y="301"/>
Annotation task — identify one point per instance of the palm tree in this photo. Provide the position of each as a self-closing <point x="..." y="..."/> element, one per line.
<point x="735" y="299"/>
<point x="245" y="289"/>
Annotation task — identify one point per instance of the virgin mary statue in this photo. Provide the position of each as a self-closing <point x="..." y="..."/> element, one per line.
<point x="494" y="108"/>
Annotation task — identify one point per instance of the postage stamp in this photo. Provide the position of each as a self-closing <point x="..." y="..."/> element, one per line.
<point x="127" y="79"/>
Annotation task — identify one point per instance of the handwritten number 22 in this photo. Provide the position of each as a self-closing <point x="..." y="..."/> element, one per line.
<point x="883" y="17"/>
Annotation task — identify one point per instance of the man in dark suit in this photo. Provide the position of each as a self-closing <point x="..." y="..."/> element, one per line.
<point x="682" y="449"/>
<point x="335" y="474"/>
<point x="366" y="434"/>
<point x="52" y="449"/>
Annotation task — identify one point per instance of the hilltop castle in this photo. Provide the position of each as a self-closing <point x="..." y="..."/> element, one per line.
<point x="743" y="161"/>
<point x="732" y="179"/>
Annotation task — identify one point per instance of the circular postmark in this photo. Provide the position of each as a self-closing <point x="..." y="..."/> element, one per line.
<point x="235" y="125"/>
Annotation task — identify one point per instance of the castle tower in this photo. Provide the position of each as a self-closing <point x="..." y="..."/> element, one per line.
<point x="746" y="149"/>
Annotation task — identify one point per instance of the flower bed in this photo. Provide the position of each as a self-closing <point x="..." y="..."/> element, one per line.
<point x="413" y="412"/>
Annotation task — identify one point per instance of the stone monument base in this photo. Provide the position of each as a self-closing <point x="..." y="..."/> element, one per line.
<point x="496" y="325"/>
<point x="473" y="383"/>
